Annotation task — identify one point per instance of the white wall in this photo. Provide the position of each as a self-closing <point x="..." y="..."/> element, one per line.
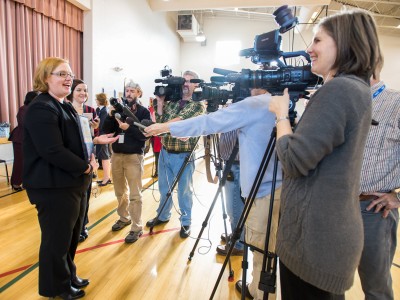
<point x="127" y="34"/>
<point x="201" y="59"/>
<point x="390" y="47"/>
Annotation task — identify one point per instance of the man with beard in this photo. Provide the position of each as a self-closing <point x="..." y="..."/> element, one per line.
<point x="173" y="154"/>
<point x="127" y="163"/>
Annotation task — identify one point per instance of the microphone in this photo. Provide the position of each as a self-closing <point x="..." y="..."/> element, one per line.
<point x="146" y="122"/>
<point x="233" y="77"/>
<point x="223" y="71"/>
<point x="117" y="116"/>
<point x="129" y="121"/>
<point x="130" y="114"/>
<point x="218" y="79"/>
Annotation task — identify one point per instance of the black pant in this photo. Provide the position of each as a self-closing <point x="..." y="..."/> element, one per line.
<point x="60" y="214"/>
<point x="293" y="288"/>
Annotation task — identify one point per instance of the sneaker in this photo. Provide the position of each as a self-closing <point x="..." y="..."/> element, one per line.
<point x="224" y="239"/>
<point x="185" y="232"/>
<point x="133" y="236"/>
<point x="155" y="222"/>
<point x="223" y="250"/>
<point x="239" y="286"/>
<point x="120" y="224"/>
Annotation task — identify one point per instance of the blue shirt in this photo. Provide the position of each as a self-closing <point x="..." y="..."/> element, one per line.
<point x="254" y="123"/>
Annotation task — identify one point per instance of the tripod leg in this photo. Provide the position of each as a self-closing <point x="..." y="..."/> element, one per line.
<point x="250" y="200"/>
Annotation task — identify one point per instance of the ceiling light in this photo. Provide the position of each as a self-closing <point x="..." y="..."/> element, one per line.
<point x="200" y="37"/>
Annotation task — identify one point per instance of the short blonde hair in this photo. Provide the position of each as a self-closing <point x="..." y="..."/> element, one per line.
<point x="44" y="70"/>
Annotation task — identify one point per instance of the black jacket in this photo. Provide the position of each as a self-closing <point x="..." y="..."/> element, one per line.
<point x="134" y="140"/>
<point x="52" y="146"/>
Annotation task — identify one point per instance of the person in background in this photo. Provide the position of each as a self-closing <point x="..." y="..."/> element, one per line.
<point x="78" y="97"/>
<point x="57" y="173"/>
<point x="16" y="137"/>
<point x="173" y="155"/>
<point x="233" y="199"/>
<point x="103" y="152"/>
<point x="155" y="140"/>
<point x="379" y="201"/>
<point x="127" y="162"/>
<point x="320" y="233"/>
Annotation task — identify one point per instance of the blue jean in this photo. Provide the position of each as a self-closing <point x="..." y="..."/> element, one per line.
<point x="169" y="165"/>
<point x="377" y="256"/>
<point x="234" y="203"/>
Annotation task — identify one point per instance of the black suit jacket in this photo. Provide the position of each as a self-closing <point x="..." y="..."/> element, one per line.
<point x="52" y="146"/>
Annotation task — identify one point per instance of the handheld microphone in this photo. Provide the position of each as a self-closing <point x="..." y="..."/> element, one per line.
<point x="130" y="114"/>
<point x="129" y="121"/>
<point x="117" y="116"/>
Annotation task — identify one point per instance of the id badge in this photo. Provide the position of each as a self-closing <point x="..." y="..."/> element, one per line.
<point x="121" y="138"/>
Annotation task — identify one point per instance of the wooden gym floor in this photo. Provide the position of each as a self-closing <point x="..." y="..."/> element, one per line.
<point x="155" y="267"/>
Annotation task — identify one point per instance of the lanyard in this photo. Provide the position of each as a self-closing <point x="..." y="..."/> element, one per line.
<point x="378" y="91"/>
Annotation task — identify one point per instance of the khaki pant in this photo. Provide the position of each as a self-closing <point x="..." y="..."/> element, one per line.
<point x="256" y="230"/>
<point x="127" y="171"/>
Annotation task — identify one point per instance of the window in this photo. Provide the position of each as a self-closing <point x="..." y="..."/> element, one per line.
<point x="227" y="53"/>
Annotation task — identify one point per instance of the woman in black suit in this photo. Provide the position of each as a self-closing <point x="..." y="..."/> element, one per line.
<point x="57" y="172"/>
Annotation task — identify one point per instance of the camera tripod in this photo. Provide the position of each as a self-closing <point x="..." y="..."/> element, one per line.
<point x="222" y="180"/>
<point x="268" y="273"/>
<point x="174" y="183"/>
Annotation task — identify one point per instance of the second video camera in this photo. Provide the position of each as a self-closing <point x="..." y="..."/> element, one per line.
<point x="171" y="86"/>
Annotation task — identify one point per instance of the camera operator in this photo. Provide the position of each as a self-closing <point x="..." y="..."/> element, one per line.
<point x="173" y="154"/>
<point x="127" y="163"/>
<point x="252" y="120"/>
<point x="378" y="201"/>
<point x="320" y="234"/>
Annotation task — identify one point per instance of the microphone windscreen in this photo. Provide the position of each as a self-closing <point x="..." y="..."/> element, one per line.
<point x="146" y="122"/>
<point x="129" y="121"/>
<point x="118" y="116"/>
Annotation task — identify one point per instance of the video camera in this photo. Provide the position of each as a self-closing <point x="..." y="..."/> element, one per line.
<point x="274" y="78"/>
<point x="172" y="86"/>
<point x="216" y="96"/>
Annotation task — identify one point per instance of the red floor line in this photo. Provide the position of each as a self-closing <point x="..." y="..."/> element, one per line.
<point x="91" y="248"/>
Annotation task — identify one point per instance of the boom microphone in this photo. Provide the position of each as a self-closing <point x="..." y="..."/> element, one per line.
<point x="223" y="71"/>
<point x="217" y="79"/>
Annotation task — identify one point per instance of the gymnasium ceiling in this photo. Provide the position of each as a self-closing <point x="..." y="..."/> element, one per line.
<point x="386" y="13"/>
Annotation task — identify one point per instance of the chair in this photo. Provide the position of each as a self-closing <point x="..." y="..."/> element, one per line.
<point x="5" y="165"/>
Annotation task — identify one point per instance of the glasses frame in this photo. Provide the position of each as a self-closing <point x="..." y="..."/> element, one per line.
<point x="63" y="74"/>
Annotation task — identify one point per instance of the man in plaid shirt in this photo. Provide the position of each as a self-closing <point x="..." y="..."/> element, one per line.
<point x="173" y="154"/>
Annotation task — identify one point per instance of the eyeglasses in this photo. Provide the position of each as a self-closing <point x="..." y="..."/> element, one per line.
<point x="64" y="74"/>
